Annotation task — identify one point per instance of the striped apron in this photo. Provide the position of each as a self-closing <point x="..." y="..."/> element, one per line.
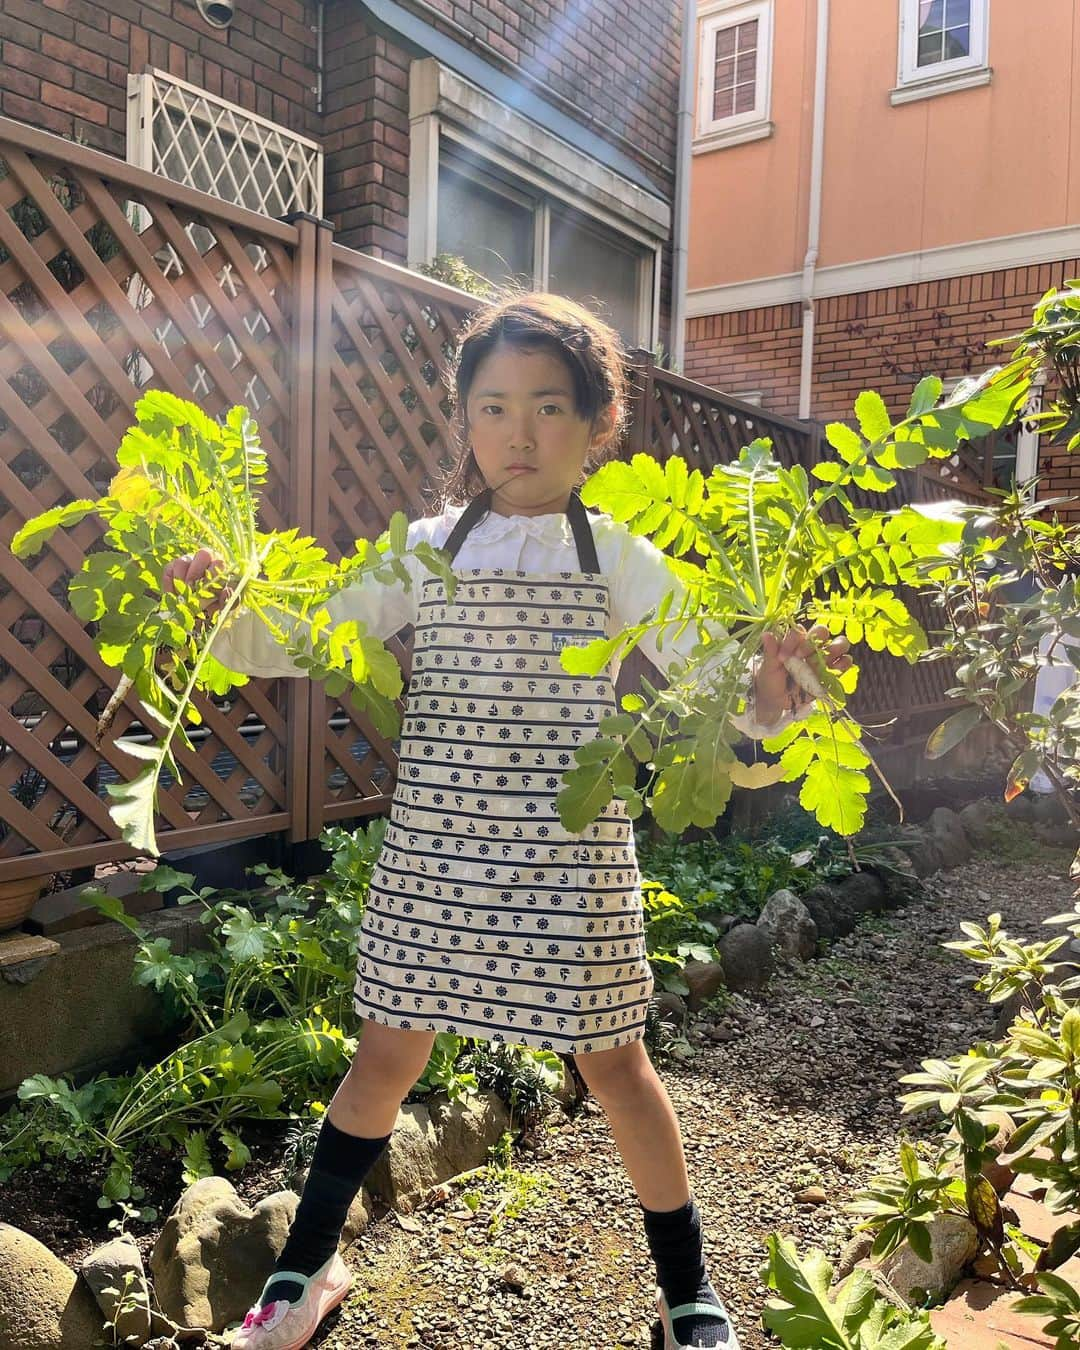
<point x="485" y="917"/>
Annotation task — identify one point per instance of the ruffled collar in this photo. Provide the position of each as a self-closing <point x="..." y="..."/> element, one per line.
<point x="553" y="527"/>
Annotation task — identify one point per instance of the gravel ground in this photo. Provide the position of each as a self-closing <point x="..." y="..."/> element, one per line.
<point x="790" y="1090"/>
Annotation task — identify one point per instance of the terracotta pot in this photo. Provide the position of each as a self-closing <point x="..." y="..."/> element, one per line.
<point x="17" y="899"/>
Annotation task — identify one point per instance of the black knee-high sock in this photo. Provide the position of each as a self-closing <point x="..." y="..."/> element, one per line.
<point x="674" y="1238"/>
<point x="338" y="1167"/>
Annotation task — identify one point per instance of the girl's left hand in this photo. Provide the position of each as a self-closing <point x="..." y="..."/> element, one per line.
<point x="775" y="690"/>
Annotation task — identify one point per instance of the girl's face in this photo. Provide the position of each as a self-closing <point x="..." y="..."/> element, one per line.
<point x="530" y="444"/>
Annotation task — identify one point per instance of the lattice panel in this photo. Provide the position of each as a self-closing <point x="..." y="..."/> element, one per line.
<point x="102" y="293"/>
<point x="706" y="427"/>
<point x="390" y="343"/>
<point x="207" y="143"/>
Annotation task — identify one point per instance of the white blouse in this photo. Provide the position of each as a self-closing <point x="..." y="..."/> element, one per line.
<point x="636" y="572"/>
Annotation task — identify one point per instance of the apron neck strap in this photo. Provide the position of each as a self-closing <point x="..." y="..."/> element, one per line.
<point x="575" y="512"/>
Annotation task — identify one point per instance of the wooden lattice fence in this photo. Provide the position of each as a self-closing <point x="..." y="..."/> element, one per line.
<point x="113" y="280"/>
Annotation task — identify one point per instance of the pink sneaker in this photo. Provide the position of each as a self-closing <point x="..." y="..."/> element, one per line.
<point x="281" y="1325"/>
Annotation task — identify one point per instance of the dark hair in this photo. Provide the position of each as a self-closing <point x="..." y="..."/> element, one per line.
<point x="590" y="349"/>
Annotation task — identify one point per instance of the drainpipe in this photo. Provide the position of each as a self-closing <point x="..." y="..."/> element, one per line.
<point x="813" y="235"/>
<point x="320" y="39"/>
<point x="683" y="157"/>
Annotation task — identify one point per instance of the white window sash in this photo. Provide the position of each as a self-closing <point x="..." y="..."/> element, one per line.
<point x="713" y="22"/>
<point x="910" y="72"/>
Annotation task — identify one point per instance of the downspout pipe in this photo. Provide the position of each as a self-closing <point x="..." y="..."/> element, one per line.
<point x="813" y="233"/>
<point x="683" y="155"/>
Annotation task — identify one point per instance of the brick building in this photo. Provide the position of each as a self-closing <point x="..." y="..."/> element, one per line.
<point x="536" y="139"/>
<point x="877" y="191"/>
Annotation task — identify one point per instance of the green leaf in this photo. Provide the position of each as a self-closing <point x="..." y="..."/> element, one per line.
<point x="587" y="790"/>
<point x="927" y="392"/>
<point x="873" y="415"/>
<point x="37" y="531"/>
<point x="951" y="732"/>
<point x="590" y="659"/>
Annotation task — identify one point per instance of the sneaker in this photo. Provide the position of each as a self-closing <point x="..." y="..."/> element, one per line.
<point x="669" y="1316"/>
<point x="280" y="1325"/>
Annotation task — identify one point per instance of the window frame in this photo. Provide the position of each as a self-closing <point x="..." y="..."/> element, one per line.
<point x="963" y="72"/>
<point x="737" y="128"/>
<point x="470" y="159"/>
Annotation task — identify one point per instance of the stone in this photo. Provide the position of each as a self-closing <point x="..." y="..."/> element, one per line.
<point x="747" y="957"/>
<point x="948" y="833"/>
<point x="43" y="1303"/>
<point x="117" y="1280"/>
<point x="466" y="1130"/>
<point x="357" y="1219"/>
<point x="670" y="1006"/>
<point x="790" y="926"/>
<point x="953" y="1243"/>
<point x="980" y="1316"/>
<point x="926" y="855"/>
<point x="811" y="1195"/>
<point x="836" y="907"/>
<point x="855" y="1249"/>
<point x="703" y="979"/>
<point x="981" y="819"/>
<point x="214" y="1253"/>
<point x="433" y="1141"/>
<point x="1021" y="808"/>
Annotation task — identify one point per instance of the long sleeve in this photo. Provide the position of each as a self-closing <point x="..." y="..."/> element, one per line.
<point x="385" y="608"/>
<point x="638" y="584"/>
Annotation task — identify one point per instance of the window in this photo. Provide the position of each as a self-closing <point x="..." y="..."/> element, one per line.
<point x="511" y="230"/>
<point x="943" y="47"/>
<point x="734" y="73"/>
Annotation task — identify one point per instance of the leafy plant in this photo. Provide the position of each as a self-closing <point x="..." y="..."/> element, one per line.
<point x="187" y="482"/>
<point x="1059" y="1301"/>
<point x="806" y="1314"/>
<point x="759" y="548"/>
<point x="1032" y="1076"/>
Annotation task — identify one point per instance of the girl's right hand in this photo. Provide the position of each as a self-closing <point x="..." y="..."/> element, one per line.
<point x="190" y="569"/>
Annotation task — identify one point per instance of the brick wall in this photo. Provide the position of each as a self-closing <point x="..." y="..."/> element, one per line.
<point x="884" y="340"/>
<point x="64" y="67"/>
<point x="64" y="63"/>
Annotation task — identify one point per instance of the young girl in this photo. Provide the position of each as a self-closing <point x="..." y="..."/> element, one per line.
<point x="485" y="916"/>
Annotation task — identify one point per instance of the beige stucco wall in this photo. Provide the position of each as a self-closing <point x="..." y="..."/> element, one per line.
<point x="973" y="164"/>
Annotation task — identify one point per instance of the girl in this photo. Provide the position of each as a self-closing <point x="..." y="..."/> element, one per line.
<point x="485" y="917"/>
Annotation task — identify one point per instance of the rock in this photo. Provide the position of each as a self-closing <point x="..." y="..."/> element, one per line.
<point x="953" y="1243"/>
<point x="811" y="1195"/>
<point x="1021" y="808"/>
<point x="897" y="877"/>
<point x="791" y="929"/>
<point x="43" y="1304"/>
<point x="856" y="1249"/>
<point x="515" y="1279"/>
<point x="704" y="979"/>
<point x="431" y="1142"/>
<point x="214" y="1253"/>
<point x="118" y="1281"/>
<point x="747" y="956"/>
<point x="357" y="1219"/>
<point x="670" y="1007"/>
<point x="836" y="907"/>
<point x="926" y="855"/>
<point x="981" y="819"/>
<point x="948" y="833"/>
<point x="466" y="1130"/>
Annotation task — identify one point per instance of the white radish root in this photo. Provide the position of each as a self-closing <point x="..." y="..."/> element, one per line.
<point x="805" y="677"/>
